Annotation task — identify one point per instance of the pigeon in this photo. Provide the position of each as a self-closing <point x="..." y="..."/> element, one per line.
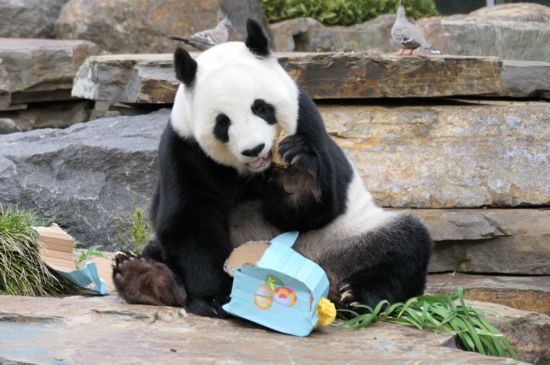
<point x="208" y="38"/>
<point x="408" y="35"/>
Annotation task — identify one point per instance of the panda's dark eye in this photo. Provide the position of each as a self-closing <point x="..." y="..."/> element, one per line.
<point x="264" y="110"/>
<point x="221" y="129"/>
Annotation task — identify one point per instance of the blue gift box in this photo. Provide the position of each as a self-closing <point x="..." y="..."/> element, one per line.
<point x="281" y="291"/>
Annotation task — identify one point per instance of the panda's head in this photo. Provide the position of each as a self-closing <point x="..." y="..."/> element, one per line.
<point x="234" y="99"/>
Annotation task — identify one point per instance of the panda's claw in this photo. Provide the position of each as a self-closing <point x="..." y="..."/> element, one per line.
<point x="346" y="294"/>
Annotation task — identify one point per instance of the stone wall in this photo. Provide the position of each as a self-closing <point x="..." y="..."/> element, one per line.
<point x="512" y="31"/>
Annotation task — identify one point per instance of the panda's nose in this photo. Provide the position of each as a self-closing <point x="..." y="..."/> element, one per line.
<point x="253" y="152"/>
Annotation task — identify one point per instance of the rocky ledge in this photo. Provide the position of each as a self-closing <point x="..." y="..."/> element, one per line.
<point x="103" y="330"/>
<point x="150" y="78"/>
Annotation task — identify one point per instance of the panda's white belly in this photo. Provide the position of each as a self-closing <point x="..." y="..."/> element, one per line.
<point x="361" y="216"/>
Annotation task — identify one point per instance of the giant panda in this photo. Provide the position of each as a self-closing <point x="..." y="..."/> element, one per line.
<point x="218" y="188"/>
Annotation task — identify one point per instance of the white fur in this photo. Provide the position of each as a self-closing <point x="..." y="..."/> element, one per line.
<point x="361" y="216"/>
<point x="229" y="78"/>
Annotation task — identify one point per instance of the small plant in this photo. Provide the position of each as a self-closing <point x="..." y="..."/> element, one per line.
<point x="21" y="269"/>
<point x="141" y="229"/>
<point x="439" y="313"/>
<point x="342" y="12"/>
<point x="84" y="254"/>
<point x="134" y="231"/>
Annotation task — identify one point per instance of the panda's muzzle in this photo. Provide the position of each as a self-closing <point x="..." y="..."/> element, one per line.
<point x="260" y="163"/>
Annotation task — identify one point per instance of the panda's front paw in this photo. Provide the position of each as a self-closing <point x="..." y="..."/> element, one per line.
<point x="298" y="152"/>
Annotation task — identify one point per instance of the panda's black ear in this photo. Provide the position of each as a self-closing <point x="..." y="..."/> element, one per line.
<point x="256" y="40"/>
<point x="185" y="66"/>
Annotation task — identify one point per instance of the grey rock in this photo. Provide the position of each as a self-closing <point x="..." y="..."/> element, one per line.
<point x="94" y="330"/>
<point x="498" y="241"/>
<point x="528" y="332"/>
<point x="527" y="78"/>
<point x="8" y="126"/>
<point x="89" y="176"/>
<point x="40" y="69"/>
<point x="129" y="26"/>
<point x="523" y="12"/>
<point x="50" y="115"/>
<point x="29" y="18"/>
<point x="510" y="31"/>
<point x="309" y="35"/>
<point x="526" y="254"/>
<point x="239" y="11"/>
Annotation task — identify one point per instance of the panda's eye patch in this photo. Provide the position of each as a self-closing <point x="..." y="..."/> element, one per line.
<point x="221" y="129"/>
<point x="264" y="110"/>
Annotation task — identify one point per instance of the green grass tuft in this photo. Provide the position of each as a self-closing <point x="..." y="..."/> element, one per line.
<point x="21" y="269"/>
<point x="438" y="313"/>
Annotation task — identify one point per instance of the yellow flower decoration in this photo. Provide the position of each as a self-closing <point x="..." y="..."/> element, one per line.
<point x="326" y="311"/>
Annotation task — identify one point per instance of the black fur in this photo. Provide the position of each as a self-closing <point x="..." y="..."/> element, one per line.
<point x="193" y="200"/>
<point x="323" y="165"/>
<point x="387" y="263"/>
<point x="195" y="197"/>
<point x="221" y="129"/>
<point x="256" y="40"/>
<point x="185" y="66"/>
<point x="264" y="110"/>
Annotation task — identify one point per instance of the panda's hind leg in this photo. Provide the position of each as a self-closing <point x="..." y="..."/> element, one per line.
<point x="389" y="262"/>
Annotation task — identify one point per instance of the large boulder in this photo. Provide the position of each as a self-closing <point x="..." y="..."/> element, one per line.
<point x="129" y="26"/>
<point x="29" y="18"/>
<point x="89" y="176"/>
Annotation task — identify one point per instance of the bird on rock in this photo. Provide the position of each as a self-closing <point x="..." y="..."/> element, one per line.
<point x="208" y="38"/>
<point x="407" y="35"/>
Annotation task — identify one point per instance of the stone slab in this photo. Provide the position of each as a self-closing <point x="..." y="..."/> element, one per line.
<point x="483" y="224"/>
<point x="498" y="241"/>
<point x="512" y="255"/>
<point x="102" y="330"/>
<point x="48" y="115"/>
<point x="531" y="293"/>
<point x="448" y="156"/>
<point x="527" y="78"/>
<point x="150" y="78"/>
<point x="40" y="65"/>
